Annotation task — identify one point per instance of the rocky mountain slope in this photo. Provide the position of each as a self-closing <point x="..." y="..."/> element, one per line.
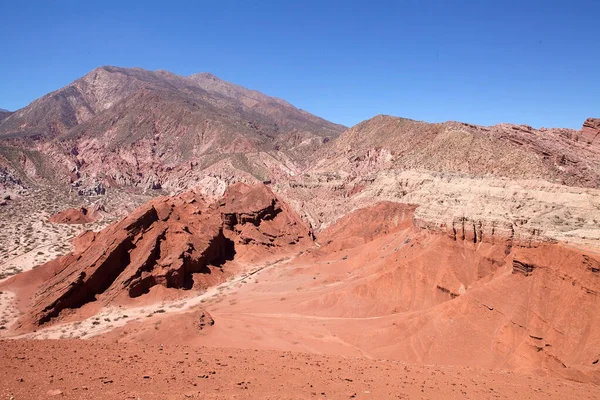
<point x="119" y="127"/>
<point x="104" y="87"/>
<point x="538" y="185"/>
<point x="564" y="156"/>
<point x="4" y="113"/>
<point x="132" y="127"/>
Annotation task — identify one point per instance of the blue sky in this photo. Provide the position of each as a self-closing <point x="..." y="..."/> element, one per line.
<point x="478" y="61"/>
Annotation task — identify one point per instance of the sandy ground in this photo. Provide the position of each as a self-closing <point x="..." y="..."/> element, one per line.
<point x="8" y="312"/>
<point x="108" y="370"/>
<point x="28" y="239"/>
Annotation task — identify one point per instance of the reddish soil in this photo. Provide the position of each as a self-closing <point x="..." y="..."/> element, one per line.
<point x="108" y="370"/>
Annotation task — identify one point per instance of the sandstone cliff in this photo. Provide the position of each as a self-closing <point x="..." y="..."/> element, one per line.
<point x="180" y="242"/>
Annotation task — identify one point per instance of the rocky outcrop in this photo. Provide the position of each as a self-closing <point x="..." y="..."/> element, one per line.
<point x="175" y="242"/>
<point x="97" y="189"/>
<point x="205" y="320"/>
<point x="590" y="133"/>
<point x="254" y="215"/>
<point x="81" y="215"/>
<point x="522" y="267"/>
<point x="477" y="230"/>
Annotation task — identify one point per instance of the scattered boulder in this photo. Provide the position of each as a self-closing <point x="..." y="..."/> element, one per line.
<point x="95" y="190"/>
<point x="9" y="178"/>
<point x="205" y="320"/>
<point x="153" y="182"/>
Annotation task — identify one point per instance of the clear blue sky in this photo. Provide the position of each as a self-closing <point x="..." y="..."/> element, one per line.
<point x="479" y="61"/>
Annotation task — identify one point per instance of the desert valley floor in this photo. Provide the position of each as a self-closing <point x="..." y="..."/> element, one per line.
<point x="372" y="307"/>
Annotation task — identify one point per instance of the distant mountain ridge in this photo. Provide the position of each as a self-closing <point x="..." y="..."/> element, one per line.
<point x="58" y="112"/>
<point x="129" y="127"/>
<point x="559" y="155"/>
<point x="4" y="113"/>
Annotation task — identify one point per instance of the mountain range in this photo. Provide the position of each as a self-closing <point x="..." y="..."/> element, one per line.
<point x="120" y="127"/>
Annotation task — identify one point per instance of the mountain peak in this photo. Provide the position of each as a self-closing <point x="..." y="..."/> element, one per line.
<point x="103" y="89"/>
<point x="205" y="75"/>
<point x="4" y="113"/>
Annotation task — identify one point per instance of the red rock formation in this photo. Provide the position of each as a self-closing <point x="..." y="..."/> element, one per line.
<point x="256" y="216"/>
<point x="176" y="242"/>
<point x="80" y="215"/>
<point x="590" y="133"/>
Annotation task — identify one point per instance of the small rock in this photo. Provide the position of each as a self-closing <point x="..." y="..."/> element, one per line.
<point x="204" y="319"/>
<point x="54" y="392"/>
